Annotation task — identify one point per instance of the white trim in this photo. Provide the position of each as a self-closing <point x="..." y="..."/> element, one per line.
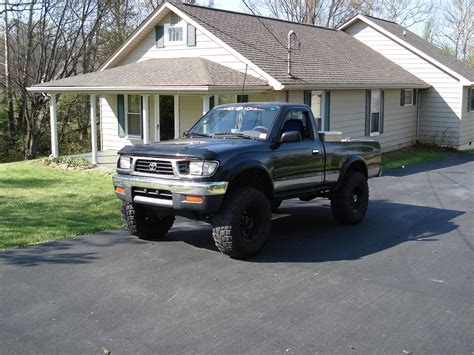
<point x="176" y="116"/>
<point x="145" y="119"/>
<point x="205" y="104"/>
<point x="400" y="41"/>
<point x="93" y="103"/>
<point x="54" y="126"/>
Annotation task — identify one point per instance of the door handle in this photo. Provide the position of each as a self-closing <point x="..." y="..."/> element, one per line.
<point x="315" y="151"/>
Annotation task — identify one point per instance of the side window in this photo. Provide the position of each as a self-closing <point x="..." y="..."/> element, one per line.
<point x="299" y="121"/>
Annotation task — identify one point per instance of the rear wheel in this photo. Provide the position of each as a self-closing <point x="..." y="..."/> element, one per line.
<point x="349" y="203"/>
<point x="242" y="227"/>
<point x="145" y="223"/>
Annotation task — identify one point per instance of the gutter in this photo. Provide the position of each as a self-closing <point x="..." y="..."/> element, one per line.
<point x="148" y="89"/>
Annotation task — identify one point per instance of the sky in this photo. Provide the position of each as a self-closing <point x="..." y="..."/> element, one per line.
<point x="234" y="5"/>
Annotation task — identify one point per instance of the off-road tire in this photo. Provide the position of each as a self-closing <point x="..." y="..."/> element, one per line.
<point x="275" y="205"/>
<point x="349" y="203"/>
<point x="229" y="226"/>
<point x="145" y="223"/>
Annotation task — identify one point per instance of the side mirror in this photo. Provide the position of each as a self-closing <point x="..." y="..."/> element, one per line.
<point x="290" y="137"/>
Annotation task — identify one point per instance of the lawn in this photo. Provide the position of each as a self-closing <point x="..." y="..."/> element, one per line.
<point x="40" y="203"/>
<point x="411" y="156"/>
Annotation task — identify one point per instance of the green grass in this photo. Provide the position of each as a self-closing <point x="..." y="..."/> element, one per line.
<point x="40" y="203"/>
<point x="412" y="156"/>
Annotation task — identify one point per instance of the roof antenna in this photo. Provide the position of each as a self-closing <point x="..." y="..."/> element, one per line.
<point x="243" y="85"/>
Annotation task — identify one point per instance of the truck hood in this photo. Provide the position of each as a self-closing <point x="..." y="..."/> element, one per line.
<point x="200" y="148"/>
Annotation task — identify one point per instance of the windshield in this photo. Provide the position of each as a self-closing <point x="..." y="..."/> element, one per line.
<point x="240" y="121"/>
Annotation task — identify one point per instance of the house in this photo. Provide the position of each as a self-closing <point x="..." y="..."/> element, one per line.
<point x="185" y="59"/>
<point x="447" y="108"/>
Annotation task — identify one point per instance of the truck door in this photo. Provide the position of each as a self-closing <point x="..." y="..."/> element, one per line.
<point x="298" y="165"/>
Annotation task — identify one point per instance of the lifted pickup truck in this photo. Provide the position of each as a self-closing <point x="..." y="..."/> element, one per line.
<point x="235" y="166"/>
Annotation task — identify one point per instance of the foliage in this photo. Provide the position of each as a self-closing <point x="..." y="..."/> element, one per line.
<point x="411" y="156"/>
<point x="68" y="162"/>
<point x="40" y="203"/>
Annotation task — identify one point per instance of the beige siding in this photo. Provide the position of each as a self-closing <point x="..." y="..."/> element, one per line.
<point x="205" y="48"/>
<point x="347" y="114"/>
<point x="467" y="124"/>
<point x="441" y="105"/>
<point x="296" y="96"/>
<point x="190" y="111"/>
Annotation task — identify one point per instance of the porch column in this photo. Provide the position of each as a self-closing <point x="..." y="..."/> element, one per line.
<point x="205" y="104"/>
<point x="176" y="116"/>
<point x="93" y="99"/>
<point x="146" y="120"/>
<point x="54" y="126"/>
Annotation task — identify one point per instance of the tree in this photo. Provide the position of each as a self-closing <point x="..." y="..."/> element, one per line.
<point x="458" y="16"/>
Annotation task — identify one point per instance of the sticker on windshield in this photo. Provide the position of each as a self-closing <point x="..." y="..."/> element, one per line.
<point x="262" y="136"/>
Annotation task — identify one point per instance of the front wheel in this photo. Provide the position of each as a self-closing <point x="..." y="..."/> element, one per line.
<point x="242" y="227"/>
<point x="349" y="203"/>
<point x="145" y="223"/>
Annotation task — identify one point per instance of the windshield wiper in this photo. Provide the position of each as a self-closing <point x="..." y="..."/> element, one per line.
<point x="190" y="134"/>
<point x="234" y="134"/>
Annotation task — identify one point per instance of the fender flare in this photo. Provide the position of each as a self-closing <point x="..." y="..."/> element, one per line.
<point x="349" y="164"/>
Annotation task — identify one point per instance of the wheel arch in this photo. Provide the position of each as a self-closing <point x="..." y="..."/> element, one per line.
<point x="353" y="163"/>
<point x="252" y="175"/>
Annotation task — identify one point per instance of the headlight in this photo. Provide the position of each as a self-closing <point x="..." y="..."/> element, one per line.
<point x="125" y="162"/>
<point x="203" y="168"/>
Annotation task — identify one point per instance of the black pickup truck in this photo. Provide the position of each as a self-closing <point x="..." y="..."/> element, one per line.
<point x="235" y="166"/>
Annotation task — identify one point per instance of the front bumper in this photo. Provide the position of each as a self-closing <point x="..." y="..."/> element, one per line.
<point x="173" y="195"/>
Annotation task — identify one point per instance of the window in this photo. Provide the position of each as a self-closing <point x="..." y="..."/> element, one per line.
<point x="134" y="116"/>
<point x="175" y="34"/>
<point x="470" y="99"/>
<point x="298" y="121"/>
<point x="407" y="97"/>
<point x="319" y="101"/>
<point x="375" y="105"/>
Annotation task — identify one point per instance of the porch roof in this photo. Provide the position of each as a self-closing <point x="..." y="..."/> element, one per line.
<point x="158" y="75"/>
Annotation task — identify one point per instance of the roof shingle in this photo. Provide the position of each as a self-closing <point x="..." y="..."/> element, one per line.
<point x="326" y="57"/>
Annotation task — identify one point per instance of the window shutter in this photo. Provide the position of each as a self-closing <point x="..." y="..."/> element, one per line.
<point x="367" y="112"/>
<point x="121" y="115"/>
<point x="327" y="109"/>
<point x="307" y="98"/>
<point x="382" y="109"/>
<point x="415" y="96"/>
<point x="191" y="35"/>
<point x="402" y="97"/>
<point x="242" y="98"/>
<point x="211" y="102"/>
<point x="160" y="36"/>
<point x="469" y="100"/>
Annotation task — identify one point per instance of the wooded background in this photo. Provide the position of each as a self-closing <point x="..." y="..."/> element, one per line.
<point x="53" y="39"/>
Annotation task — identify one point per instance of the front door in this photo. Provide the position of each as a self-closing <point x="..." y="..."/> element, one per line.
<point x="164" y="117"/>
<point x="299" y="165"/>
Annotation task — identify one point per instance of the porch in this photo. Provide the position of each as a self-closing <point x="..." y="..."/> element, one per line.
<point x="149" y="101"/>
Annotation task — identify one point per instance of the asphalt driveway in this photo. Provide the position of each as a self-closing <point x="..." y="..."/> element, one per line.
<point x="400" y="281"/>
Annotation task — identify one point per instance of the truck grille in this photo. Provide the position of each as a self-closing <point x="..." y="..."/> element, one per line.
<point x="159" y="167"/>
<point x="183" y="167"/>
<point x="153" y="193"/>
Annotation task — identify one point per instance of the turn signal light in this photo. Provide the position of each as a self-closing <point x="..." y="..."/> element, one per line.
<point x="195" y="199"/>
<point x="120" y="190"/>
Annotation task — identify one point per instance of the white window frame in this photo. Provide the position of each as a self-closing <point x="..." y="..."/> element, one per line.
<point x="412" y="97"/>
<point x="183" y="26"/>
<point x="132" y="136"/>
<point x="322" y="108"/>
<point x="375" y="133"/>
